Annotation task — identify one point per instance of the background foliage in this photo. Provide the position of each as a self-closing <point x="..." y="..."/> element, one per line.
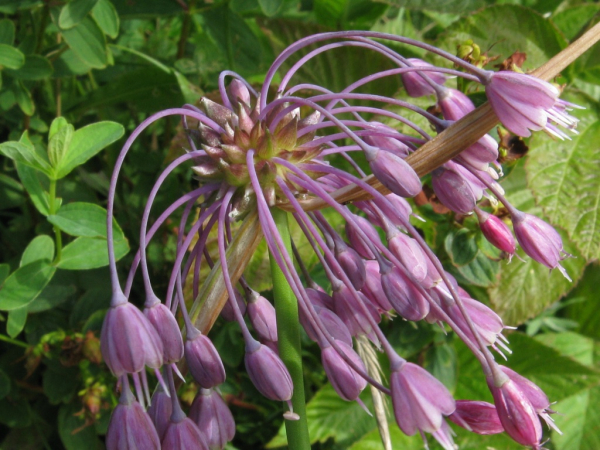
<point x="77" y="76"/>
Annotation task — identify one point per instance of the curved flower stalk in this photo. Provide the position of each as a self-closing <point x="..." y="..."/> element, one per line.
<point x="252" y="153"/>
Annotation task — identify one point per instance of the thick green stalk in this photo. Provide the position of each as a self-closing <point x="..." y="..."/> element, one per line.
<point x="288" y="333"/>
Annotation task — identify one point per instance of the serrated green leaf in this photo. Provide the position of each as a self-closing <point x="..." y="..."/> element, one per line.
<point x="84" y="219"/>
<point x="107" y="18"/>
<point x="58" y="145"/>
<point x="11" y="57"/>
<point x="7" y="32"/>
<point x="564" y="179"/>
<point x="36" y="67"/>
<point x="16" y="321"/>
<point x="31" y="183"/>
<point x="505" y="29"/>
<point x="86" y="142"/>
<point x="25" y="284"/>
<point x="89" y="253"/>
<point x="25" y="154"/>
<point x="41" y="247"/>
<point x="74" y="12"/>
<point x="88" y="42"/>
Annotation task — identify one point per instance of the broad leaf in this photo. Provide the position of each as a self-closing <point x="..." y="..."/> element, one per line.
<point x="571" y="21"/>
<point x="270" y="7"/>
<point x="54" y="384"/>
<point x="86" y="142"/>
<point x="88" y="42"/>
<point x="41" y="247"/>
<point x="4" y="271"/>
<point x="25" y="154"/>
<point x="564" y="179"/>
<point x="69" y="64"/>
<point x="31" y="183"/>
<point x="53" y="295"/>
<point x="585" y="313"/>
<point x="10" y="57"/>
<point x="36" y="67"/>
<point x="7" y="32"/>
<point x="72" y="430"/>
<point x="16" y="321"/>
<point x="23" y="98"/>
<point x="25" y="284"/>
<point x="74" y="12"/>
<point x="444" y="6"/>
<point x="84" y="219"/>
<point x="105" y="15"/>
<point x="89" y="253"/>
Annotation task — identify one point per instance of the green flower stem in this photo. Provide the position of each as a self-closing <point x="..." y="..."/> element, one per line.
<point x="57" y="233"/>
<point x="288" y="332"/>
<point x="13" y="341"/>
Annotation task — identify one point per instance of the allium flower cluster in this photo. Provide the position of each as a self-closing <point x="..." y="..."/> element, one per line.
<point x="258" y="150"/>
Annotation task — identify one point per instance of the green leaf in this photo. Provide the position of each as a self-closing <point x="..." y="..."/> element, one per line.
<point x="58" y="145"/>
<point x="56" y="125"/>
<point x="440" y="361"/>
<point x="86" y="142"/>
<point x="7" y="32"/>
<point x="16" y="321"/>
<point x="25" y="284"/>
<point x="53" y="295"/>
<point x="146" y="9"/>
<point x="31" y="183"/>
<point x="69" y="64"/>
<point x="270" y="7"/>
<point x="330" y="12"/>
<point x="444" y="6"/>
<point x="41" y="247"/>
<point x="329" y="416"/>
<point x="10" y="57"/>
<point x="4" y="384"/>
<point x="586" y="312"/>
<point x="72" y="430"/>
<point x="4" y="271"/>
<point x="461" y="246"/>
<point x="505" y="29"/>
<point x="25" y="154"/>
<point x="74" y="12"/>
<point x="23" y="98"/>
<point x="88" y="42"/>
<point x="89" y="253"/>
<point x="571" y="21"/>
<point x="105" y="15"/>
<point x="36" y="67"/>
<point x="84" y="219"/>
<point x="564" y="179"/>
<point x="482" y="271"/>
<point x="11" y="193"/>
<point x="54" y="384"/>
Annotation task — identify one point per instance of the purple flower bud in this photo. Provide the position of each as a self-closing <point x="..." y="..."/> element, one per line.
<point x="394" y="173"/>
<point x="129" y="341"/>
<point x="318" y="297"/>
<point x="167" y="328"/>
<point x="539" y="240"/>
<point x="160" y="411"/>
<point x="351" y="263"/>
<point x="214" y="419"/>
<point x="520" y="101"/>
<point x="268" y="373"/>
<point x="183" y="435"/>
<point x="227" y="311"/>
<point x="517" y="415"/>
<point x="419" y="399"/>
<point x="478" y="417"/>
<point x="481" y="153"/>
<point x="373" y="289"/>
<point x="403" y="295"/>
<point x="349" y="310"/>
<point x="409" y="252"/>
<point x="401" y="210"/>
<point x="453" y="190"/>
<point x="537" y="397"/>
<point x="345" y="380"/>
<point x="238" y="92"/>
<point x="356" y="241"/>
<point x="130" y="427"/>
<point x="332" y="323"/>
<point x="454" y="104"/>
<point x="496" y="232"/>
<point x="415" y="84"/>
<point x="262" y="317"/>
<point x="203" y="360"/>
<point x="387" y="143"/>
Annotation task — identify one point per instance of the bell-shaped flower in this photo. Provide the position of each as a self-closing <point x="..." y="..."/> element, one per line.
<point x="344" y="379"/>
<point x="409" y="252"/>
<point x="454" y="104"/>
<point x="403" y="295"/>
<point x="183" y="434"/>
<point x="166" y="326"/>
<point x="267" y="372"/>
<point x="453" y="190"/>
<point x="351" y="263"/>
<point x="203" y="360"/>
<point x="476" y="416"/>
<point x="214" y="419"/>
<point x="160" y="410"/>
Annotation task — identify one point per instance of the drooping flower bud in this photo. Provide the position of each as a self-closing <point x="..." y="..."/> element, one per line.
<point x="476" y="416"/>
<point x="345" y="380"/>
<point x="129" y="341"/>
<point x="349" y="310"/>
<point x="420" y="401"/>
<point x="160" y="410"/>
<point x="393" y="172"/>
<point x="167" y="328"/>
<point x="351" y="263"/>
<point x="454" y="104"/>
<point x="496" y="232"/>
<point x="539" y="240"/>
<point x="318" y="297"/>
<point x="203" y="360"/>
<point x="387" y="143"/>
<point x="227" y="311"/>
<point x="409" y="252"/>
<point x="415" y="84"/>
<point x="262" y="317"/>
<point x="453" y="190"/>
<point x="520" y="101"/>
<point x="331" y="322"/>
<point x="130" y="426"/>
<point x="403" y="295"/>
<point x="238" y="92"/>
<point x="373" y="289"/>
<point x="214" y="419"/>
<point x="268" y="373"/>
<point x="183" y="435"/>
<point x="356" y="240"/>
